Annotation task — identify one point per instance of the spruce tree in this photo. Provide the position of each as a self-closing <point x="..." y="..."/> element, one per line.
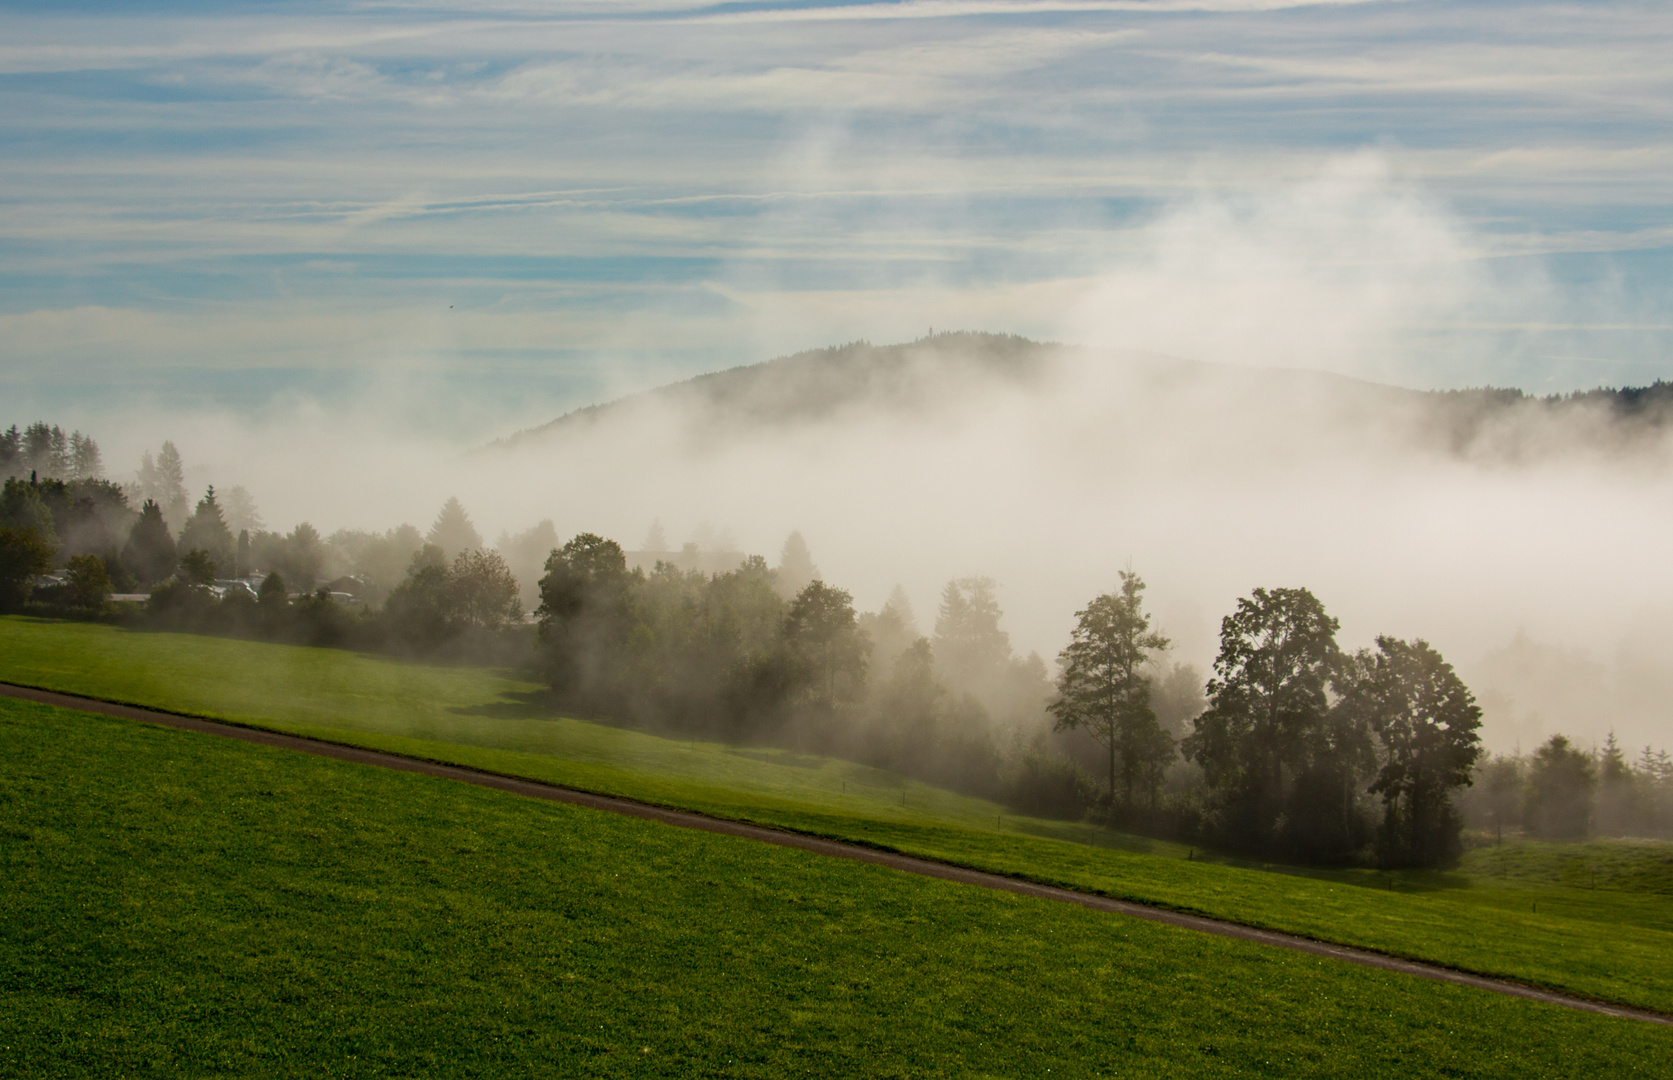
<point x="453" y="531"/>
<point x="795" y="567"/>
<point x="149" y="553"/>
<point x="206" y="530"/>
<point x="171" y="486"/>
<point x="37" y="450"/>
<point x="971" y="650"/>
<point x="86" y="463"/>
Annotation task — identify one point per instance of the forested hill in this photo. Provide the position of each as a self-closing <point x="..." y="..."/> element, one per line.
<point x="821" y="383"/>
<point x="940" y="372"/>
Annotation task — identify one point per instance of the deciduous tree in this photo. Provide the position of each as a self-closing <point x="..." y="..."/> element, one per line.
<point x="24" y="556"/>
<point x="88" y="581"/>
<point x="585" y="616"/>
<point x="483" y="592"/>
<point x="1268" y="700"/>
<point x="822" y="631"/>
<point x="22" y="507"/>
<point x="197" y="567"/>
<point x="1426" y="721"/>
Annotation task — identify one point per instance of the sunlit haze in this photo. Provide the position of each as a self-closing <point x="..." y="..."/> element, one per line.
<point x="333" y="252"/>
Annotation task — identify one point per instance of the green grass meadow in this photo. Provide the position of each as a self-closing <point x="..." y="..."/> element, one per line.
<point x="175" y="904"/>
<point x="1523" y="911"/>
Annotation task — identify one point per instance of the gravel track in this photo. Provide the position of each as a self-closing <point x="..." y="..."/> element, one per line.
<point x="833" y="848"/>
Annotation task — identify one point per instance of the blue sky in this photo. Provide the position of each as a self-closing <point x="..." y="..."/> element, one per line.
<point x="523" y="206"/>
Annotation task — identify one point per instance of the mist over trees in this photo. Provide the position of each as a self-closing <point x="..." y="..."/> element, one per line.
<point x="453" y="531"/>
<point x="83" y="515"/>
<point x="525" y="555"/>
<point x="795" y="567"/>
<point x="206" y="531"/>
<point x="728" y="655"/>
<point x="163" y="480"/>
<point x="1562" y="791"/>
<point x="1293" y="748"/>
<point x="439" y="603"/>
<point x="45" y="452"/>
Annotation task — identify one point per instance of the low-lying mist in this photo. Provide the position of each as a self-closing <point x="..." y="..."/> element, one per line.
<point x="1525" y="541"/>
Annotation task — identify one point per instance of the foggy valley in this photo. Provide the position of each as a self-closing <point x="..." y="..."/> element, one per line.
<point x="1518" y="534"/>
<point x="903" y="538"/>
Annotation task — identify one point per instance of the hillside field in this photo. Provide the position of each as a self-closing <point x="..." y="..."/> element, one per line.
<point x="1613" y="942"/>
<point x="177" y="904"/>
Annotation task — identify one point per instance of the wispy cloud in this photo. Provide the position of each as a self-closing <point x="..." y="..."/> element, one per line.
<point x="706" y="165"/>
<point x="956" y="9"/>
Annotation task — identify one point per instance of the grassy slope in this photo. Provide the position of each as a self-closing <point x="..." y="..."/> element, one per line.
<point x="1607" y="943"/>
<point x="1639" y="866"/>
<point x="179" y="905"/>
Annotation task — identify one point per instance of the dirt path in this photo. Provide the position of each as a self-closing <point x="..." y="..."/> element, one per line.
<point x="833" y="848"/>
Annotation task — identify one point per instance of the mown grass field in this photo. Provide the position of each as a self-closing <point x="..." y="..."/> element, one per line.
<point x="181" y="905"/>
<point x="1498" y="914"/>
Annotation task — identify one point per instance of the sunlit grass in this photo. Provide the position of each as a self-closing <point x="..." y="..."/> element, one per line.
<point x="1607" y="943"/>
<point x="181" y="905"/>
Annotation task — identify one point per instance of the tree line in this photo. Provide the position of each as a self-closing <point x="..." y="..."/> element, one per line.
<point x="1306" y="752"/>
<point x="43" y="450"/>
<point x="1561" y="791"/>
<point x="1292" y="748"/>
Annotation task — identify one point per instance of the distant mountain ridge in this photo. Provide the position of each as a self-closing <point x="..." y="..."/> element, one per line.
<point x="817" y="383"/>
<point x="935" y="371"/>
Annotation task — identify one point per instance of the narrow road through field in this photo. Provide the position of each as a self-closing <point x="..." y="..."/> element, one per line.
<point x="835" y="848"/>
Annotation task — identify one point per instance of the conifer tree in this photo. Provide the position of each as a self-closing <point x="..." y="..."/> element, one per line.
<point x="37" y="450"/>
<point x="970" y="649"/>
<point x="453" y="531"/>
<point x="170" y="481"/>
<point x="206" y="530"/>
<point x="1562" y="787"/>
<point x="58" y="460"/>
<point x="149" y="553"/>
<point x="795" y="567"/>
<point x="86" y="463"/>
<point x="240" y="509"/>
